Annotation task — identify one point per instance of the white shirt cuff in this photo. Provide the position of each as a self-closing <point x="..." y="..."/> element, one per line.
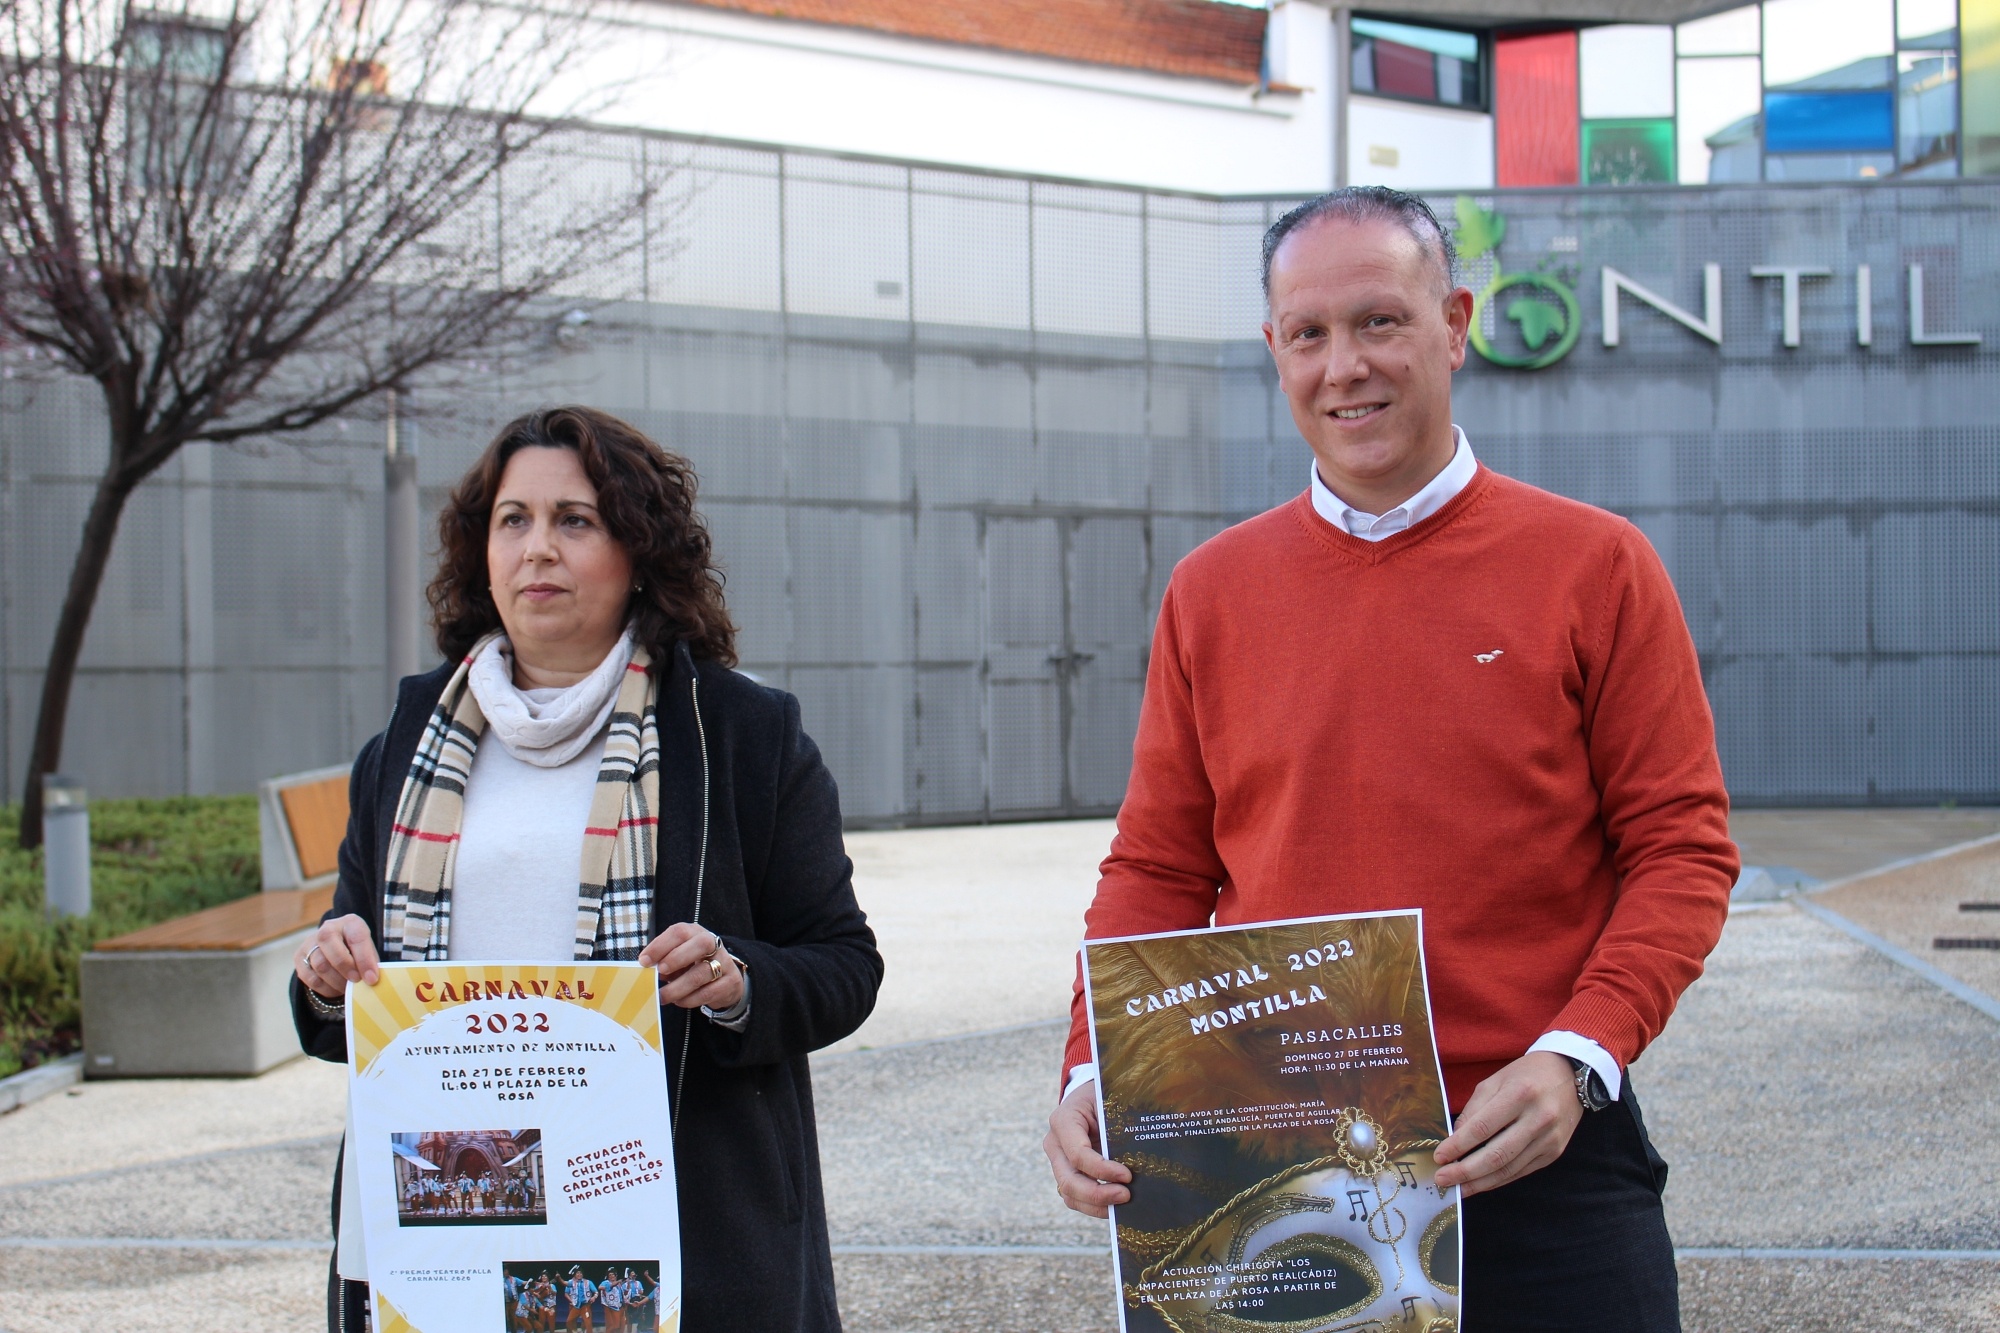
<point x="737" y="1016"/>
<point x="1579" y="1047"/>
<point x="1082" y="1074"/>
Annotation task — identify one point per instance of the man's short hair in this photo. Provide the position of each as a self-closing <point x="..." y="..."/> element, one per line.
<point x="1369" y="203"/>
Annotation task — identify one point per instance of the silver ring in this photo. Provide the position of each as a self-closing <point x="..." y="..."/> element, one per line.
<point x="714" y="945"/>
<point x="310" y="952"/>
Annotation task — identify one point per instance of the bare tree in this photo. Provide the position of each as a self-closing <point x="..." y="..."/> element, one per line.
<point x="244" y="221"/>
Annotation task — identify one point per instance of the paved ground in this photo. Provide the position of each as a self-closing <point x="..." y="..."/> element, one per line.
<point x="1811" y="1095"/>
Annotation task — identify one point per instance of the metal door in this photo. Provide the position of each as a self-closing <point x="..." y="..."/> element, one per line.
<point x="1065" y="631"/>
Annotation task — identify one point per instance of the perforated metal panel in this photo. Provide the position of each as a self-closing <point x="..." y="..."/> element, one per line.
<point x="954" y="429"/>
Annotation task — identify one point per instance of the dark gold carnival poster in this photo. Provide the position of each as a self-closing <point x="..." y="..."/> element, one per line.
<point x="1275" y="1091"/>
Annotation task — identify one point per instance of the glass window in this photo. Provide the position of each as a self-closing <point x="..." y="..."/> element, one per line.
<point x="1927" y="113"/>
<point x="1424" y="64"/>
<point x="1979" y="70"/>
<point x="1818" y="45"/>
<point x="1534" y="109"/>
<point x="1736" y="151"/>
<point x="1829" y="166"/>
<point x="1734" y="32"/>
<point x="1829" y="122"/>
<point x="1627" y="71"/>
<point x="1927" y="23"/>
<point x="1628" y="152"/>
<point x="1715" y="93"/>
<point x="181" y="46"/>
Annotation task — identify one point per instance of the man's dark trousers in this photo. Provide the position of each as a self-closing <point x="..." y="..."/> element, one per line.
<point x="1580" y="1246"/>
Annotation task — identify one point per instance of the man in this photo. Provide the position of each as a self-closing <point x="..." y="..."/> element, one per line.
<point x="635" y="1301"/>
<point x="519" y="1316"/>
<point x="611" y="1294"/>
<point x="1420" y="684"/>
<point x="579" y="1291"/>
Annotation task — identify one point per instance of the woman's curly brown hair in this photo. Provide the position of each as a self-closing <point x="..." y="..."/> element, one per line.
<point x="645" y="495"/>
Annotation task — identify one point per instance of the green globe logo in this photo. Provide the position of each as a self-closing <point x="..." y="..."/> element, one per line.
<point x="1539" y="319"/>
<point x="1541" y="306"/>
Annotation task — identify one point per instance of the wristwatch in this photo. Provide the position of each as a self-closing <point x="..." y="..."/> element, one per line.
<point x="1590" y="1089"/>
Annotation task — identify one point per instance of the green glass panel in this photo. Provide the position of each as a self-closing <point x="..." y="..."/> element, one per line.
<point x="1979" y="84"/>
<point x="1629" y="152"/>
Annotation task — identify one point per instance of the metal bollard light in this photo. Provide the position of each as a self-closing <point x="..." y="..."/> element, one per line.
<point x="65" y="846"/>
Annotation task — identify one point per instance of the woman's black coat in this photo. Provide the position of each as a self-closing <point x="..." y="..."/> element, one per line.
<point x="761" y="852"/>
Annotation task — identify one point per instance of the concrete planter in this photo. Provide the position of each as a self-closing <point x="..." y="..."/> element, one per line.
<point x="204" y="995"/>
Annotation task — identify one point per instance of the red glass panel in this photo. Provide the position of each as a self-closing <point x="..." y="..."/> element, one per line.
<point x="1534" y="109"/>
<point x="1405" y="71"/>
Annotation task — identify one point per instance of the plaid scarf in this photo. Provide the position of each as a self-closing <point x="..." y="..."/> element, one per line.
<point x="614" y="900"/>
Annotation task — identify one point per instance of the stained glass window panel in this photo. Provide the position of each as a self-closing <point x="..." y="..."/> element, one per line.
<point x="1979" y="72"/>
<point x="1534" y="109"/>
<point x="1628" y="152"/>
<point x="1931" y="23"/>
<point x="1627" y="72"/>
<point x="1716" y="93"/>
<point x="1819" y="45"/>
<point x="1927" y="112"/>
<point x="1843" y="122"/>
<point x="1734" y="32"/>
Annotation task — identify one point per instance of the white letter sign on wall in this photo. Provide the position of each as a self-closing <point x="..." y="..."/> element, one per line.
<point x="1791" y="292"/>
<point x="1918" y="337"/>
<point x="1709" y="327"/>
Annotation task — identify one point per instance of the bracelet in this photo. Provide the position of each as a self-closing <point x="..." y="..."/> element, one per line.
<point x="323" y="1007"/>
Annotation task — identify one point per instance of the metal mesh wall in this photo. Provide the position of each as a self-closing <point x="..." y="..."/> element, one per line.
<point x="955" y="429"/>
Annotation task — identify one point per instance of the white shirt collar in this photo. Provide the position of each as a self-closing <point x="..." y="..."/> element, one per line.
<point x="1436" y="494"/>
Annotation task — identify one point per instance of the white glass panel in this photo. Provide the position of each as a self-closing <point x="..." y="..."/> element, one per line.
<point x="1832" y="43"/>
<point x="1927" y="111"/>
<point x="1715" y="93"/>
<point x="1918" y="19"/>
<point x="1457" y="45"/>
<point x="1733" y="32"/>
<point x="1627" y="69"/>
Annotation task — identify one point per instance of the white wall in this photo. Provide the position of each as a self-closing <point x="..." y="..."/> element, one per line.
<point x="733" y="76"/>
<point x="1414" y="147"/>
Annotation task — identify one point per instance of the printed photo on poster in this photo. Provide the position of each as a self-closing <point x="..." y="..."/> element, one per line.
<point x="469" y="1177"/>
<point x="1276" y="1093"/>
<point x="545" y="1295"/>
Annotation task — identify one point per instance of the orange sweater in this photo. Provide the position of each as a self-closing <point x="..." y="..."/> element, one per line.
<point x="1496" y="716"/>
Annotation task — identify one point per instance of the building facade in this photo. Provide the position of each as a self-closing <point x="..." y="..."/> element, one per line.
<point x="956" y="423"/>
<point x="1216" y="98"/>
<point x="955" y="428"/>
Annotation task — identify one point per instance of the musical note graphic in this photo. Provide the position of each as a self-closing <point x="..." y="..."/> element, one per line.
<point x="1358" y="1201"/>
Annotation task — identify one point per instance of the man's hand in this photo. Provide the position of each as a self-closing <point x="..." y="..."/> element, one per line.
<point x="1517" y="1122"/>
<point x="339" y="952"/>
<point x="1088" y="1181"/>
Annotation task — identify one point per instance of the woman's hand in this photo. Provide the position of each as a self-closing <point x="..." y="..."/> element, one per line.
<point x="694" y="968"/>
<point x="342" y="951"/>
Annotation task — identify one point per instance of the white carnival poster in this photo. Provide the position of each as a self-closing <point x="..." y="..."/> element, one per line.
<point x="509" y="1149"/>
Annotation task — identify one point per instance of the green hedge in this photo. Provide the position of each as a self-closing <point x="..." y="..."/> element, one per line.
<point x="150" y="861"/>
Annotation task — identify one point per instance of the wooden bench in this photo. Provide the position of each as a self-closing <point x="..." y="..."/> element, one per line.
<point x="301" y="819"/>
<point x="208" y="993"/>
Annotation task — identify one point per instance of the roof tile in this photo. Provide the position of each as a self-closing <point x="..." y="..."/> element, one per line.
<point x="1199" y="39"/>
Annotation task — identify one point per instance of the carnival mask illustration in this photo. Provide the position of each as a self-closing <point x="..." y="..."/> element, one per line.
<point x="1362" y="1241"/>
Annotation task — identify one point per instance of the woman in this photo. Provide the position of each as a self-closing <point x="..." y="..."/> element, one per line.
<point x="569" y="552"/>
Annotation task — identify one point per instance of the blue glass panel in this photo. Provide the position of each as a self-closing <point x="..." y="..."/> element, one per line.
<point x="1829" y="122"/>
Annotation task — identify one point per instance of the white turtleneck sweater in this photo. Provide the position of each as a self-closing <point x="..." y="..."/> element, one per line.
<point x="520" y="853"/>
